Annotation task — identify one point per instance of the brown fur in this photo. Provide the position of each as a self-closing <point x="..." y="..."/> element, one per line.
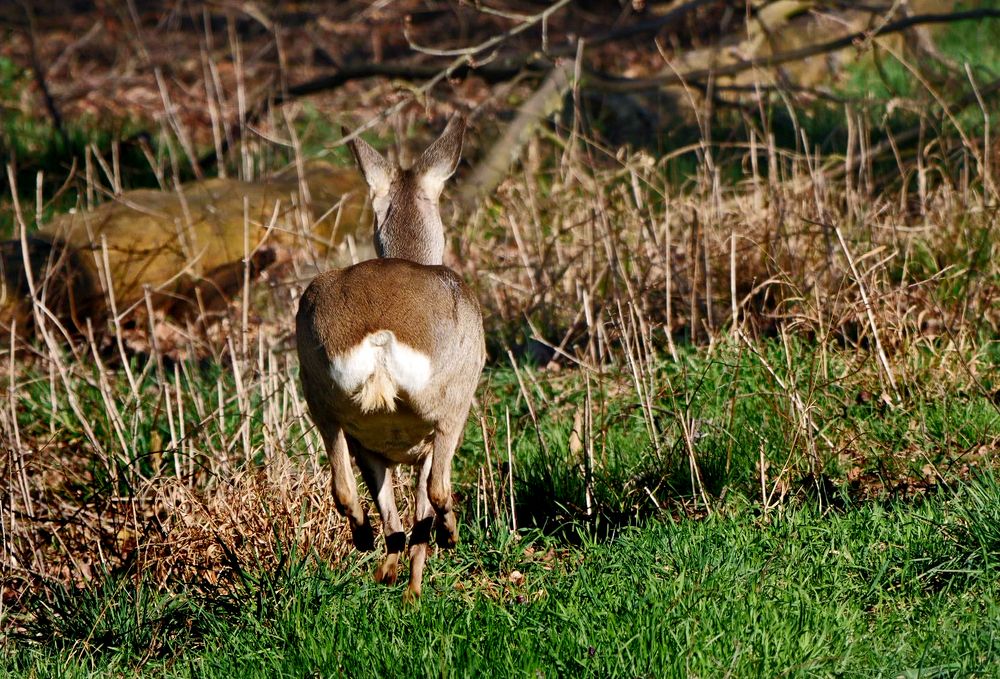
<point x="391" y="294"/>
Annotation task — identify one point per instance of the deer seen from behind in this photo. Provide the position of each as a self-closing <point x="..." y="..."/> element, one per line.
<point x="390" y="352"/>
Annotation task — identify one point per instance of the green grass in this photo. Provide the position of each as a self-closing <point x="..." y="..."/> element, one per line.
<point x="737" y="412"/>
<point x="886" y="588"/>
<point x="881" y="590"/>
<point x="318" y="131"/>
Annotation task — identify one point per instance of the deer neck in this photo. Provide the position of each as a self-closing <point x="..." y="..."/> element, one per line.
<point x="408" y="226"/>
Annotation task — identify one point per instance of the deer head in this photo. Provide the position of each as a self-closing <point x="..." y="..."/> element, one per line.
<point x="407" y="215"/>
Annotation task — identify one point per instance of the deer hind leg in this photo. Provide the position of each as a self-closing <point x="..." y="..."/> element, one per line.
<point x="446" y="440"/>
<point x="378" y="478"/>
<point x="345" y="489"/>
<point x="420" y="536"/>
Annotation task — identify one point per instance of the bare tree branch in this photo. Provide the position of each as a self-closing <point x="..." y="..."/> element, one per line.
<point x="40" y="71"/>
<point x="610" y="83"/>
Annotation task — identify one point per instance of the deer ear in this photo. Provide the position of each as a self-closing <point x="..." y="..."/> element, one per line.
<point x="375" y="168"/>
<point x="440" y="160"/>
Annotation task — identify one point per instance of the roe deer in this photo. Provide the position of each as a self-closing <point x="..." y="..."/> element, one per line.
<point x="390" y="353"/>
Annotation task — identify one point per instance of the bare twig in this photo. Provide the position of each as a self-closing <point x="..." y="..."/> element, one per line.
<point x="40" y="72"/>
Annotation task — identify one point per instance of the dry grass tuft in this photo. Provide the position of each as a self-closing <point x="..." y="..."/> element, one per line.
<point x="586" y="254"/>
<point x="250" y="523"/>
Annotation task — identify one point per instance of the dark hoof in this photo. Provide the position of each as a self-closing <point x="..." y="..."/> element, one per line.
<point x="363" y="537"/>
<point x="446" y="533"/>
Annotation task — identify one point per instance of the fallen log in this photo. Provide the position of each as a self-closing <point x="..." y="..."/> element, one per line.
<point x="186" y="248"/>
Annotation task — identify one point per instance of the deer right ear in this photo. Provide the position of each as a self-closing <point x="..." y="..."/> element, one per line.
<point x="376" y="169"/>
<point x="441" y="159"/>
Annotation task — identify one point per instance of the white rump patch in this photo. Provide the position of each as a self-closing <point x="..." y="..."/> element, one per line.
<point x="379" y="367"/>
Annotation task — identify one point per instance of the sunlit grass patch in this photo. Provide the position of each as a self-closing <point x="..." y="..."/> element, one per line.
<point x="826" y="593"/>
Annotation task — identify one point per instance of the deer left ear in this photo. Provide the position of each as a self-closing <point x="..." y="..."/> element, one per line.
<point x="375" y="168"/>
<point x="440" y="160"/>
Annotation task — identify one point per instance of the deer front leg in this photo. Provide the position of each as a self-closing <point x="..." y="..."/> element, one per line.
<point x="378" y="478"/>
<point x="423" y="517"/>
<point x="345" y="489"/>
<point x="446" y="440"/>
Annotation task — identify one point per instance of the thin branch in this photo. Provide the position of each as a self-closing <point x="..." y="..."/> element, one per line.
<point x="493" y="72"/>
<point x="611" y="83"/>
<point x="668" y="19"/>
<point x="40" y="71"/>
<point x="459" y="67"/>
<point x="526" y="23"/>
